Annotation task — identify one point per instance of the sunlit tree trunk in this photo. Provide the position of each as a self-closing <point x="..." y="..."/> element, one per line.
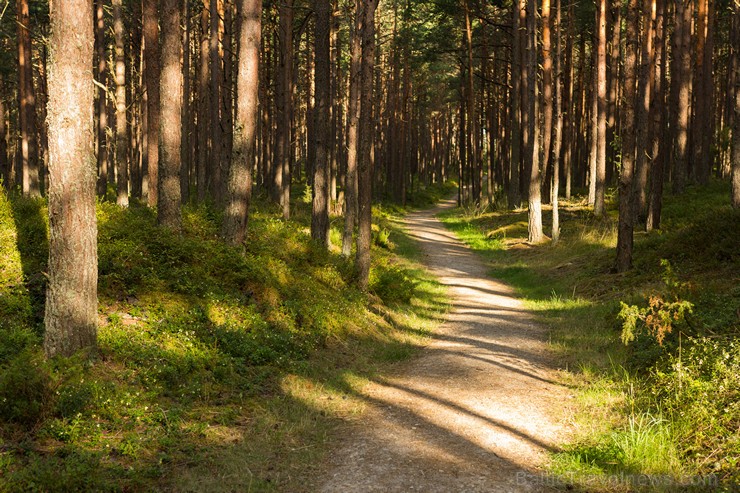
<point x="547" y="92"/>
<point x="736" y="118"/>
<point x="216" y="130"/>
<point x="120" y="80"/>
<point x="659" y="135"/>
<point x="513" y="195"/>
<point x="683" y="98"/>
<point x="534" y="221"/>
<point x="646" y="77"/>
<point x="558" y="134"/>
<point x="170" y="130"/>
<point x="284" y="101"/>
<point x="27" y="104"/>
<point x="71" y="311"/>
<point x="249" y="19"/>
<point x="151" y="81"/>
<point x="204" y="116"/>
<point x="600" y="169"/>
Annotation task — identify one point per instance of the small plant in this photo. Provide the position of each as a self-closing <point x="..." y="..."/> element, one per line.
<point x="664" y="310"/>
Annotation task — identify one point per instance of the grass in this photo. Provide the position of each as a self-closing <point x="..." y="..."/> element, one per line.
<point x="217" y="368"/>
<point x="664" y="414"/>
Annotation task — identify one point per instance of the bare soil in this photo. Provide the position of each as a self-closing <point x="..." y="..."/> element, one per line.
<point x="478" y="409"/>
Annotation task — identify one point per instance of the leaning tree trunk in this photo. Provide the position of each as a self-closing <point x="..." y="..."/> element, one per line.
<point x="626" y="216"/>
<point x="170" y="130"/>
<point x="353" y="116"/>
<point x="71" y="297"/>
<point x="320" y="213"/>
<point x="249" y="18"/>
<point x="365" y="166"/>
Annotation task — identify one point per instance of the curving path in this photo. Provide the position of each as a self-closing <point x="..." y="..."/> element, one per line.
<point x="480" y="407"/>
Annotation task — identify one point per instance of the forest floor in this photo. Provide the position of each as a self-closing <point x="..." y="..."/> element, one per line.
<point x="478" y="410"/>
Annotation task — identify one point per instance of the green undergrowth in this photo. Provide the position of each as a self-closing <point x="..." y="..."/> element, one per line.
<point x="217" y="368"/>
<point x="661" y="413"/>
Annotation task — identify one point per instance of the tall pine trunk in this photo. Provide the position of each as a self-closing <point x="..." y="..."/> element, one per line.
<point x="320" y="212"/>
<point x="151" y="81"/>
<point x="249" y="22"/>
<point x="170" y="130"/>
<point x="534" y="219"/>
<point x="121" y="123"/>
<point x="27" y="104"/>
<point x="71" y="297"/>
<point x="600" y="169"/>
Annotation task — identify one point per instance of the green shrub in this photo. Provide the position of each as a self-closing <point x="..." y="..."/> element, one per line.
<point x="25" y="388"/>
<point x="392" y="285"/>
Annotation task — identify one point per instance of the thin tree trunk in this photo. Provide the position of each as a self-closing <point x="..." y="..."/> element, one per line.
<point x="320" y="212"/>
<point x="365" y="165"/>
<point x="204" y="116"/>
<point x="285" y="110"/>
<point x="121" y="140"/>
<point x="558" y="137"/>
<point x="151" y="80"/>
<point x="659" y="135"/>
<point x="249" y="18"/>
<point x="71" y="311"/>
<point x="736" y="118"/>
<point x="350" y="189"/>
<point x="27" y="104"/>
<point x="215" y="101"/>
<point x="4" y="163"/>
<point x="547" y="92"/>
<point x="185" y="157"/>
<point x="534" y="219"/>
<point x="626" y="216"/>
<point x="683" y="82"/>
<point x="600" y="178"/>
<point x="101" y="75"/>
<point x="514" y="198"/>
<point x="646" y="78"/>
<point x="170" y="131"/>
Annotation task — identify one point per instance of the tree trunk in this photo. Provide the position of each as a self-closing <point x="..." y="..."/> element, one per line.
<point x="626" y="216"/>
<point x="215" y="101"/>
<point x="151" y="80"/>
<point x="27" y="104"/>
<point x="534" y="221"/>
<point x="249" y="15"/>
<point x="599" y="207"/>
<point x="101" y="75"/>
<point x="170" y="130"/>
<point x="71" y="297"/>
<point x="4" y="163"/>
<point x="558" y="136"/>
<point x="185" y="147"/>
<point x="353" y="115"/>
<point x="646" y="78"/>
<point x="736" y="119"/>
<point x="655" y="199"/>
<point x="365" y="165"/>
<point x="121" y="139"/>
<point x="514" y="198"/>
<point x="547" y="92"/>
<point x="204" y="112"/>
<point x="320" y="212"/>
<point x="683" y="98"/>
<point x="284" y="109"/>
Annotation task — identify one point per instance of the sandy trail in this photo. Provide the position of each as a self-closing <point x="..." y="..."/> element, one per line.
<point x="477" y="411"/>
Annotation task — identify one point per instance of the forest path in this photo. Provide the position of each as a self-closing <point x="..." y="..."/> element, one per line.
<point x="476" y="411"/>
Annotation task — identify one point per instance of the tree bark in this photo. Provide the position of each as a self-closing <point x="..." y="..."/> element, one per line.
<point x="249" y="20"/>
<point x="683" y="97"/>
<point x="600" y="178"/>
<point x="320" y="212"/>
<point x="646" y="78"/>
<point x="27" y="104"/>
<point x="736" y="118"/>
<point x="121" y="123"/>
<point x="71" y="311"/>
<point x="204" y="112"/>
<point x="151" y="80"/>
<point x="4" y="163"/>
<point x="626" y="216"/>
<point x="513" y="195"/>
<point x="216" y="129"/>
<point x="101" y="75"/>
<point x="170" y="130"/>
<point x="365" y="164"/>
<point x="547" y="92"/>
<point x="558" y="135"/>
<point x="353" y="114"/>
<point x="659" y="136"/>
<point x="284" y="102"/>
<point x="534" y="217"/>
